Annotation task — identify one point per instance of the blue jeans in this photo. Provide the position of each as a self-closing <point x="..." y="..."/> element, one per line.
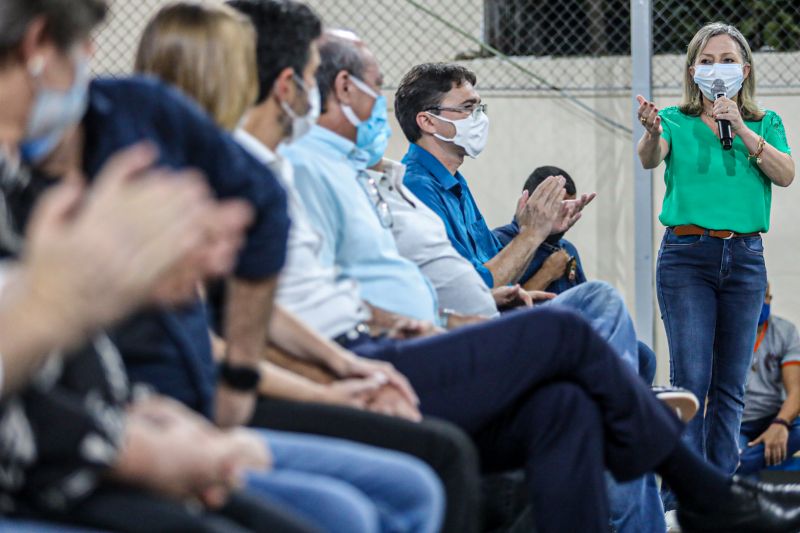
<point x="345" y="487"/>
<point x="710" y="292"/>
<point x="635" y="506"/>
<point x="751" y="460"/>
<point x="647" y="363"/>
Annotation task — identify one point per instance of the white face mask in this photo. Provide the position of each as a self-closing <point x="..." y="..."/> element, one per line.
<point x="472" y="132"/>
<point x="731" y="74"/>
<point x="301" y="124"/>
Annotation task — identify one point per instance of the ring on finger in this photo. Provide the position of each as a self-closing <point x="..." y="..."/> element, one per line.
<point x="643" y="121"/>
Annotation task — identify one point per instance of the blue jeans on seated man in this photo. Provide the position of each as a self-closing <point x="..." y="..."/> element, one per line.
<point x="345" y="487"/>
<point x="635" y="506"/>
<point x="751" y="458"/>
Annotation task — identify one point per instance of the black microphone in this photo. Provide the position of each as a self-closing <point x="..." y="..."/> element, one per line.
<point x="724" y="126"/>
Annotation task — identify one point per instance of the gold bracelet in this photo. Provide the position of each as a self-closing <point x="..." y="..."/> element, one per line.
<point x="759" y="150"/>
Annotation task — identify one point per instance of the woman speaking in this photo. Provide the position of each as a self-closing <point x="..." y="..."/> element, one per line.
<point x="710" y="276"/>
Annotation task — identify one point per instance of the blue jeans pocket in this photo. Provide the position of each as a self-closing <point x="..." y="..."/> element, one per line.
<point x="753" y="245"/>
<point x="681" y="241"/>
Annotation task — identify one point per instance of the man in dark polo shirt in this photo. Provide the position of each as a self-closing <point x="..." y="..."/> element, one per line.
<point x="170" y="348"/>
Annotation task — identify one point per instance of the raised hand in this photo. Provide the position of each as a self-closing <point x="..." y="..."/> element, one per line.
<point x="648" y="116"/>
<point x="571" y="212"/>
<point x="541" y="211"/>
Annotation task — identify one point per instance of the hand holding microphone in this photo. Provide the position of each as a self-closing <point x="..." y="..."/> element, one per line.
<point x="726" y="113"/>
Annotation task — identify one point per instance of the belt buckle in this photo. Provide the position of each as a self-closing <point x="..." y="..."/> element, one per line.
<point x="729" y="237"/>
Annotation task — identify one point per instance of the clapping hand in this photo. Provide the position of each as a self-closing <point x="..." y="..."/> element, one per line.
<point x="572" y="211"/>
<point x="541" y="211"/>
<point x="139" y="235"/>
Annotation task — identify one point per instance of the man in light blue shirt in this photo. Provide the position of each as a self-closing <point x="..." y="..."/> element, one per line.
<point x="330" y="176"/>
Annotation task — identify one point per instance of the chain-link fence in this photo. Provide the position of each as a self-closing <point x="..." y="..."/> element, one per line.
<point x="525" y="45"/>
<point x="772" y="27"/>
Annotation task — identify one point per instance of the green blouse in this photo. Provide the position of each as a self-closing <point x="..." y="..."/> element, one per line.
<point x="711" y="187"/>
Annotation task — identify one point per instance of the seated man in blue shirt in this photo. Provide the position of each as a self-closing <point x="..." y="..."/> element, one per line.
<point x="442" y="117"/>
<point x="502" y="380"/>
<point x="556" y="265"/>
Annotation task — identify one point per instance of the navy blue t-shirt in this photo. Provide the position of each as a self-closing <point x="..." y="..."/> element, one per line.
<point x="505" y="234"/>
<point x="170" y="348"/>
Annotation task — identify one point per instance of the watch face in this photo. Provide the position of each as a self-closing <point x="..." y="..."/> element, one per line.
<point x="239" y="377"/>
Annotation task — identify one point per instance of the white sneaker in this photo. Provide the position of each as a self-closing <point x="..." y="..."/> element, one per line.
<point x="671" y="518"/>
<point x="681" y="400"/>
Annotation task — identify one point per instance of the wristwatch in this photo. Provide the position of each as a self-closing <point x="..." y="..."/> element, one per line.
<point x="444" y="317"/>
<point x="239" y="377"/>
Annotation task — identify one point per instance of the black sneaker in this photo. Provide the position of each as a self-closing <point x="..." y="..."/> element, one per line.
<point x="754" y="508"/>
<point x="683" y="401"/>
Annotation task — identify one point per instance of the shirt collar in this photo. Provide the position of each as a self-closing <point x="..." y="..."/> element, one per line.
<point x="391" y="179"/>
<point x="428" y="161"/>
<point x="99" y="103"/>
<point x="256" y="148"/>
<point x="279" y="165"/>
<point x="393" y="172"/>
<point x="333" y="143"/>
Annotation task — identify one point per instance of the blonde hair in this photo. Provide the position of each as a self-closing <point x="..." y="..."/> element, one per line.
<point x="692" y="103"/>
<point x="206" y="51"/>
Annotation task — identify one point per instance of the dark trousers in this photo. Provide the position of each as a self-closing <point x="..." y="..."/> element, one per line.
<point x="127" y="510"/>
<point x="441" y="445"/>
<point x="539" y="389"/>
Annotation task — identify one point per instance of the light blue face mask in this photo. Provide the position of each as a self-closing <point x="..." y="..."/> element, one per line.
<point x="374" y="132"/>
<point x="765" y="312"/>
<point x="54" y="112"/>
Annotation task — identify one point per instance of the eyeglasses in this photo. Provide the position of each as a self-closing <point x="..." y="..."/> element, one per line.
<point x="472" y="109"/>
<point x="370" y="187"/>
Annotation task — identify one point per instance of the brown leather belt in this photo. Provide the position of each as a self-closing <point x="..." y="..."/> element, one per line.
<point x="691" y="229"/>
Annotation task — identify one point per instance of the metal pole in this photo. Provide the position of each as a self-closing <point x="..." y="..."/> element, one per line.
<point x="641" y="55"/>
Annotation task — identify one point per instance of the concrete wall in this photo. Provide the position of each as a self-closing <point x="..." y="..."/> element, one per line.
<point x="533" y="128"/>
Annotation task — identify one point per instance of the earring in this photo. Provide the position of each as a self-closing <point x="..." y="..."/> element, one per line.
<point x="36" y="66"/>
